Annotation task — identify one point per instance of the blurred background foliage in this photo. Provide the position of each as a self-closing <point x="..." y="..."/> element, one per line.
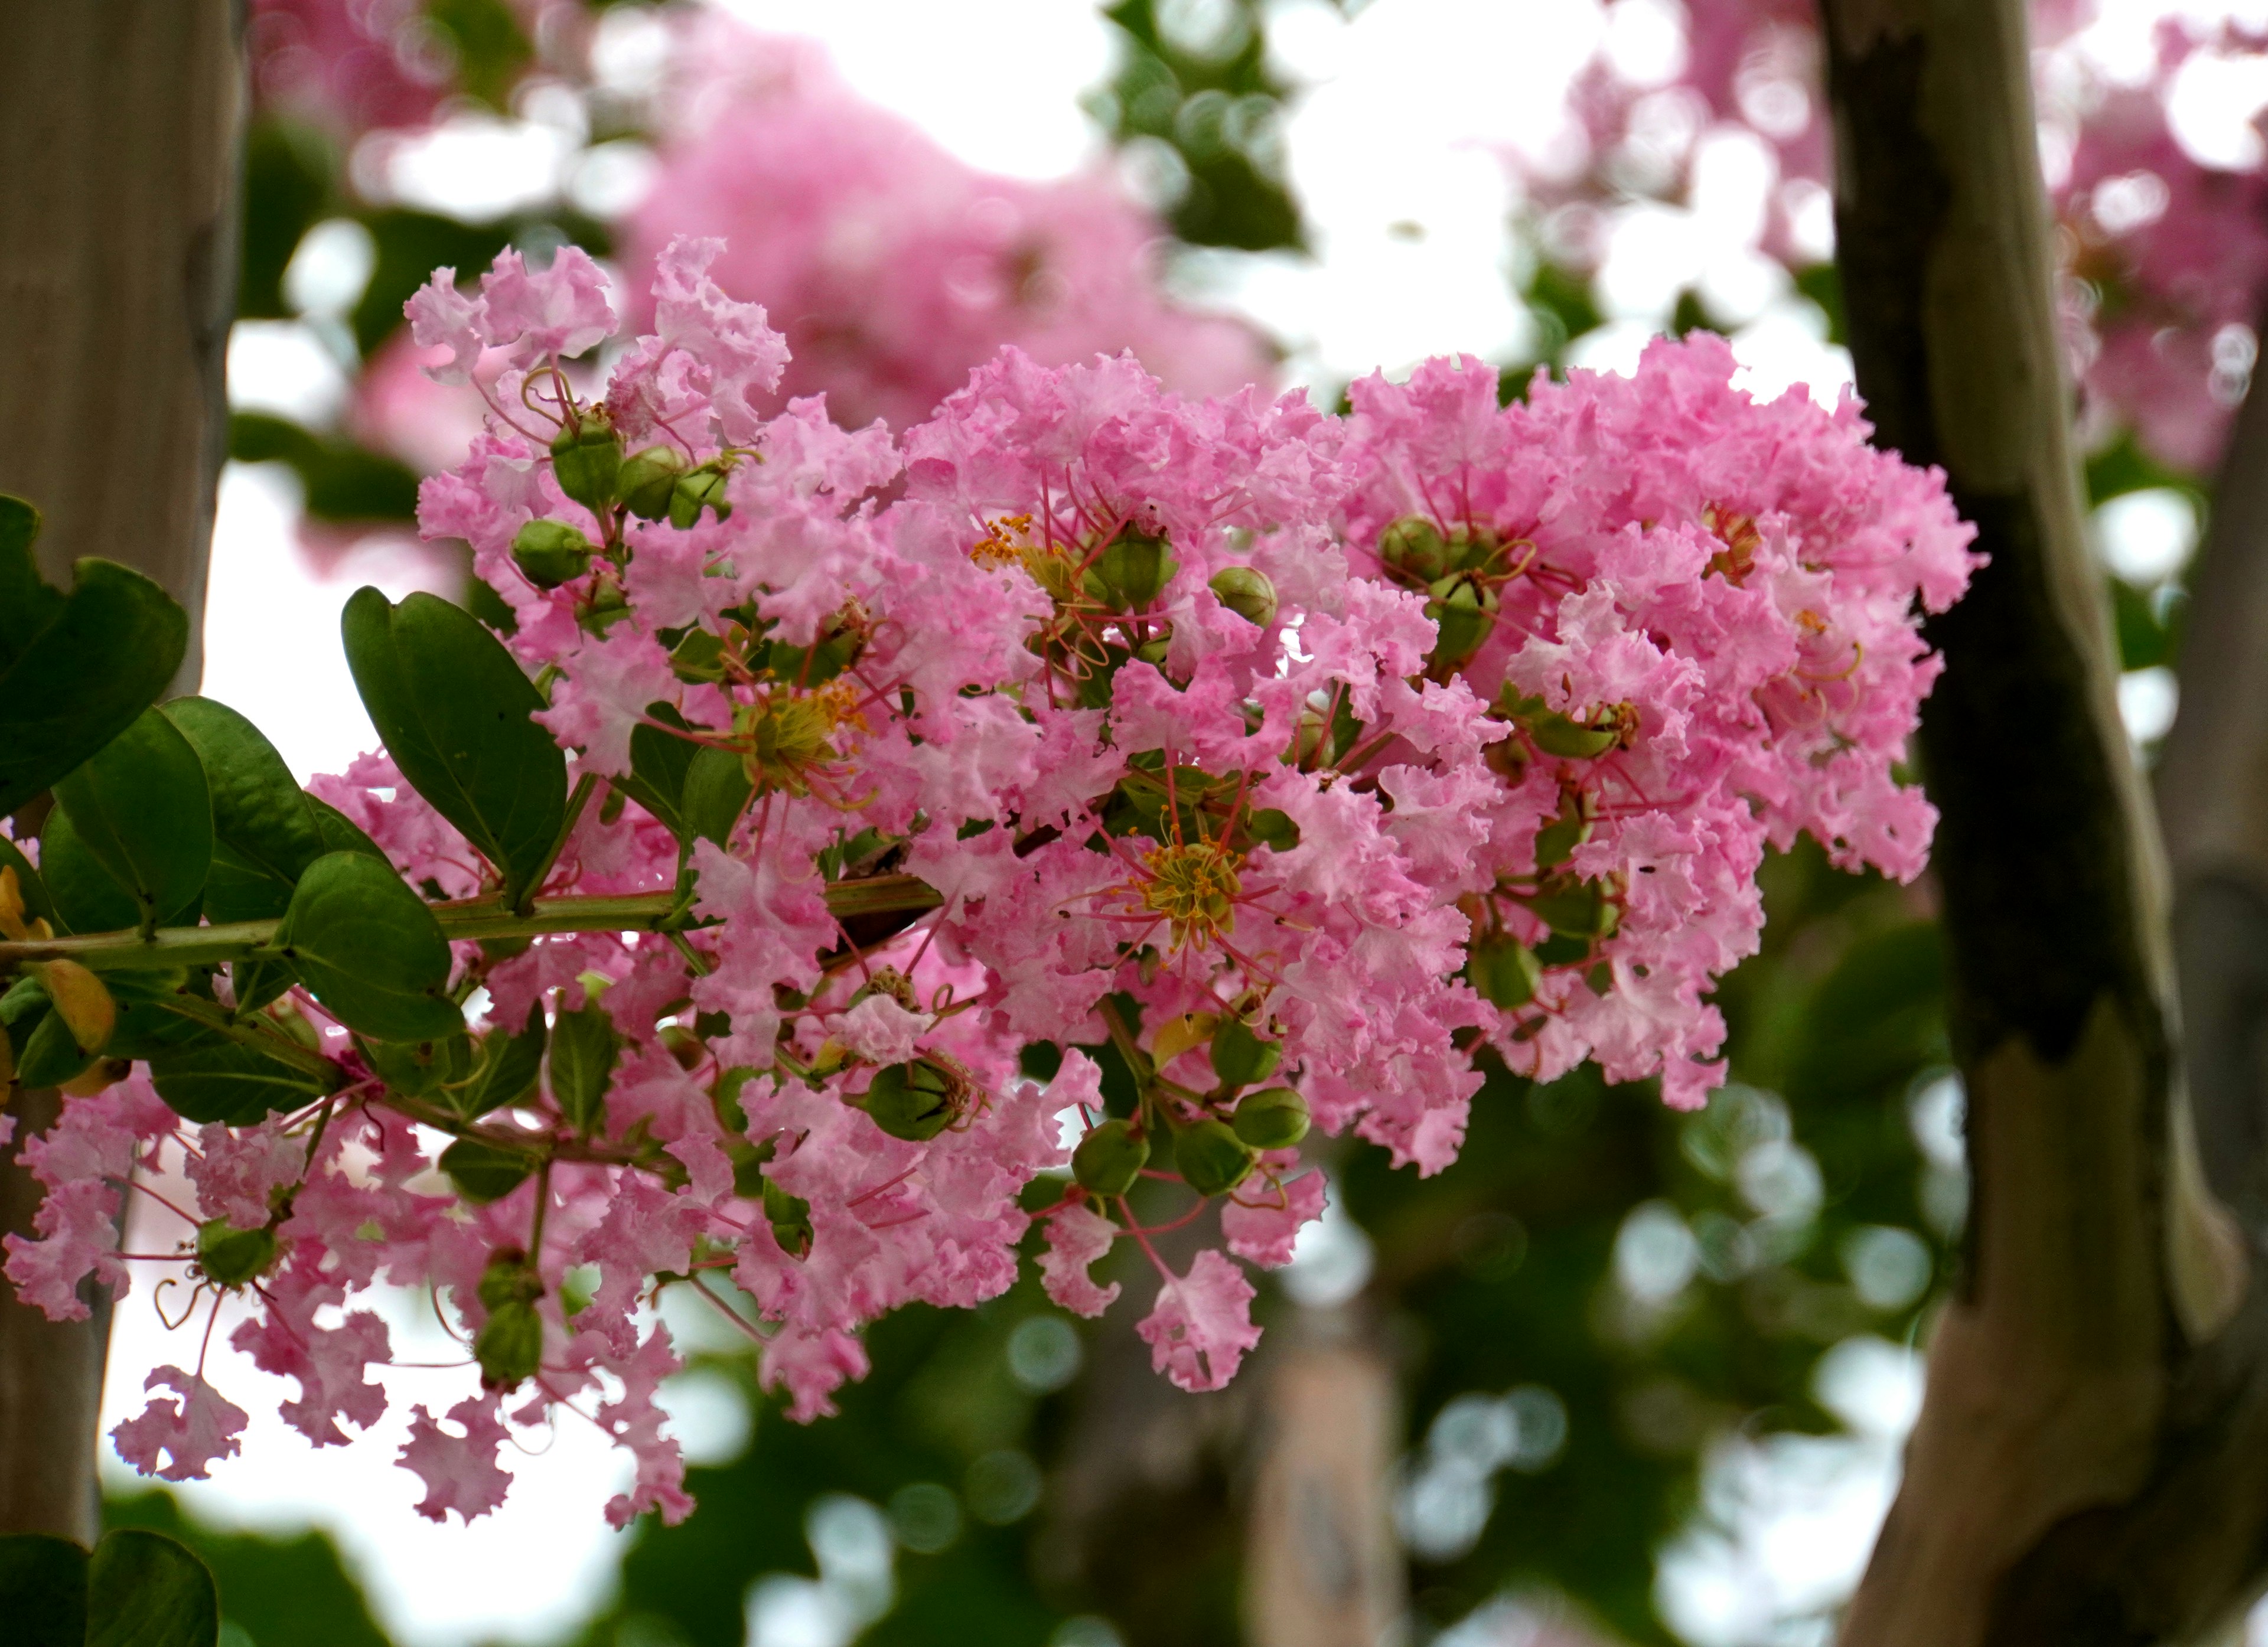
<point x="1594" y="1309"/>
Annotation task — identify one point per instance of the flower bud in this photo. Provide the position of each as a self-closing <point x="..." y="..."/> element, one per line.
<point x="1132" y="571"/>
<point x="698" y="489"/>
<point x="550" y="552"/>
<point x="230" y="1256"/>
<point x="913" y="1101"/>
<point x="1557" y="734"/>
<point x="790" y="1217"/>
<point x="509" y="1346"/>
<point x="586" y="460"/>
<point x="1577" y="908"/>
<point x="1274" y="1119"/>
<point x="1504" y="970"/>
<point x="1414" y="547"/>
<point x="1239" y="1057"/>
<point x="1109" y="1159"/>
<point x="1210" y="1157"/>
<point x="1464" y="613"/>
<point x="1246" y="591"/>
<point x="648" y="479"/>
<point x="1556" y="840"/>
<point x="509" y="1278"/>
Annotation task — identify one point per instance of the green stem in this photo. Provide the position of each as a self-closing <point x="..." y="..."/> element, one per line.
<point x="281" y="1048"/>
<point x="462" y="919"/>
<point x="581" y="798"/>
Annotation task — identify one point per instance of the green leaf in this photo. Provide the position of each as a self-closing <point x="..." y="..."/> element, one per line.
<point x="51" y="1055"/>
<point x="341" y="832"/>
<point x="422" y="1069"/>
<point x="76" y="670"/>
<point x="659" y="763"/>
<point x="142" y="809"/>
<point x="509" y="1065"/>
<point x="238" y="889"/>
<point x="43" y="1590"/>
<point x="584" y="1046"/>
<point x="144" y="1590"/>
<point x="29" y="885"/>
<point x="86" y="898"/>
<point x="258" y="811"/>
<point x="370" y="950"/>
<point x="146" y="1027"/>
<point x="482" y="1172"/>
<point x="717" y="790"/>
<point x="453" y="708"/>
<point x="223" y="1080"/>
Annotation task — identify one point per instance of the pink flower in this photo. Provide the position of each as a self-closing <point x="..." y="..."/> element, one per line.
<point x="1201" y="1324"/>
<point x="459" y="1472"/>
<point x="1077" y="1236"/>
<point x="203" y="1426"/>
<point x="1262" y="1222"/>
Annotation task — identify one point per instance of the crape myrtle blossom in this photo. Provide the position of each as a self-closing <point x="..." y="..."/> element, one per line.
<point x="1266" y="762"/>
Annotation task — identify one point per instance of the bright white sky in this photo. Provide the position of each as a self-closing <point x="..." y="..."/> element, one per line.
<point x="1403" y="104"/>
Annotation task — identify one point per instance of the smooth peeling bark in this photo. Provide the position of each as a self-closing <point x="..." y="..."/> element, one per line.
<point x="120" y="137"/>
<point x="2052" y="1489"/>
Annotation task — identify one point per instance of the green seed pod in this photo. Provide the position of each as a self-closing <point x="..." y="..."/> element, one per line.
<point x="550" y="552"/>
<point x="1505" y="970"/>
<point x="586" y="460"/>
<point x="1246" y="591"/>
<point x="1274" y="1120"/>
<point x="230" y="1256"/>
<point x="1211" y="1159"/>
<point x="1556" y="840"/>
<point x="790" y="1217"/>
<point x="698" y="489"/>
<point x="1133" y="570"/>
<point x="509" y="1278"/>
<point x="1239" y="1057"/>
<point x="1464" y="613"/>
<point x="648" y="480"/>
<point x="913" y="1101"/>
<point x="1414" y="547"/>
<point x="509" y="1346"/>
<point x="1555" y="734"/>
<point x="1109" y="1159"/>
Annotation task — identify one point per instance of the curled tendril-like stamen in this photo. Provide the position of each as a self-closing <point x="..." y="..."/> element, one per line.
<point x="158" y="1302"/>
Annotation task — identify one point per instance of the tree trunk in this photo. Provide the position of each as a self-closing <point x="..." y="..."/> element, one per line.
<point x="2091" y="1462"/>
<point x="119" y="157"/>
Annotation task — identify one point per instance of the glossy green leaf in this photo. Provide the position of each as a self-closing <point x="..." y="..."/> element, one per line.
<point x="238" y="889"/>
<point x="482" y="1172"/>
<point x="146" y="1027"/>
<point x="584" y="1046"/>
<point x="453" y="708"/>
<point x="509" y="1065"/>
<point x="422" y="1069"/>
<point x="341" y="832"/>
<point x="223" y="1080"/>
<point x="659" y="763"/>
<point x="43" y="1588"/>
<point x="77" y="669"/>
<point x="259" y="811"/>
<point x="29" y="885"/>
<point x="717" y="790"/>
<point x="144" y="1590"/>
<point x="142" y="811"/>
<point x="370" y="950"/>
<point x="50" y="1056"/>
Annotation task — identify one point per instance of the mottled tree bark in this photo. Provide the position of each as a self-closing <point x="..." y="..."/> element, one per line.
<point x="120" y="135"/>
<point x="2091" y="1463"/>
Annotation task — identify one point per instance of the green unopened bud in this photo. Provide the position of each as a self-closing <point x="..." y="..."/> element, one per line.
<point x="1577" y="909"/>
<point x="1239" y="1057"/>
<point x="586" y="460"/>
<point x="913" y="1101"/>
<point x="1556" y="840"/>
<point x="1274" y="1120"/>
<point x="230" y="1256"/>
<point x="1109" y="1159"/>
<point x="509" y="1346"/>
<point x="701" y="488"/>
<point x="1246" y="591"/>
<point x="550" y="552"/>
<point x="790" y="1217"/>
<point x="1130" y="574"/>
<point x="509" y="1278"/>
<point x="1211" y="1159"/>
<point x="648" y="478"/>
<point x="1557" y="734"/>
<point x="1505" y="970"/>
<point x="1464" y="613"/>
<point x="1414" y="547"/>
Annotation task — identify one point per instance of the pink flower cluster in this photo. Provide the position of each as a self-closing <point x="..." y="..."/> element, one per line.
<point x="1274" y="759"/>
